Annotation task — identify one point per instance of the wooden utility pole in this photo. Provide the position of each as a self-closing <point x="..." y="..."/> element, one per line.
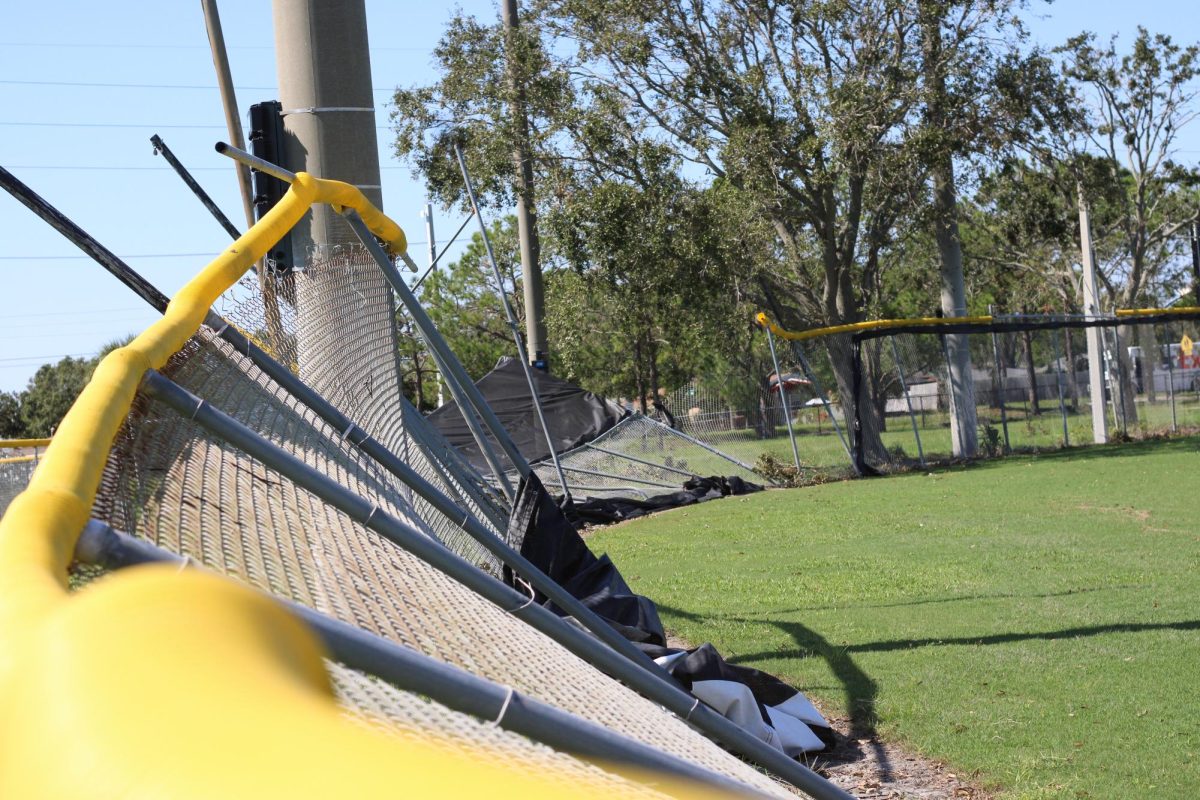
<point x="536" y="347"/>
<point x="1091" y="307"/>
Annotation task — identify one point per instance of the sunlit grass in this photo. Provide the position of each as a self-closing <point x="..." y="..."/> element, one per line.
<point x="1030" y="620"/>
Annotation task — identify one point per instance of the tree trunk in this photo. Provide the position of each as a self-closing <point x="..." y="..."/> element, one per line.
<point x="1148" y="344"/>
<point x="1031" y="373"/>
<point x="1128" y="397"/>
<point x="1072" y="384"/>
<point x="841" y="359"/>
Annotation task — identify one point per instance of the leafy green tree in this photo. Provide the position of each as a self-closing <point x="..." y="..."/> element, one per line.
<point x="1139" y="101"/>
<point x="11" y="426"/>
<point x="51" y="391"/>
<point x="463" y="301"/>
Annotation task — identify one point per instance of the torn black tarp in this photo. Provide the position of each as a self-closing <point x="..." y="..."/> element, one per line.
<point x="573" y="415"/>
<point x="607" y="510"/>
<point x="760" y="703"/>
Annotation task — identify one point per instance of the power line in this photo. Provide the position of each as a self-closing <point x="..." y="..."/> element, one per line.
<point x="113" y="85"/>
<point x="101" y="85"/>
<point x="35" y="359"/>
<point x="110" y="168"/>
<point x="72" y="313"/>
<point x="72" y="257"/>
<point x="106" y="125"/>
<point x="143" y="46"/>
<point x="141" y="126"/>
<point x="40" y="257"/>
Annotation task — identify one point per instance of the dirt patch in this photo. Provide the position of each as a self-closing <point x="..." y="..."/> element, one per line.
<point x="871" y="769"/>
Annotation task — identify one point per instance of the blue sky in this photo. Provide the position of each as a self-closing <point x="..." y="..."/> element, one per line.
<point x="83" y="86"/>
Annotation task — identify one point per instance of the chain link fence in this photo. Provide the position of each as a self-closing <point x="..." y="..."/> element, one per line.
<point x="1031" y="381"/>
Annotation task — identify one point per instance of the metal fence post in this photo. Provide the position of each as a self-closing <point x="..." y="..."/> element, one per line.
<point x="907" y="400"/>
<point x="787" y="411"/>
<point x="1062" y="406"/>
<point x="1170" y="384"/>
<point x="1002" y="385"/>
<point x="816" y="384"/>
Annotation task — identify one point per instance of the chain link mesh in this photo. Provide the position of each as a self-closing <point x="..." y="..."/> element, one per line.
<point x="16" y="468"/>
<point x="170" y="482"/>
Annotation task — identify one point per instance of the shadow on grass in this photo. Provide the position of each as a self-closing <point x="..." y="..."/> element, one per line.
<point x="966" y="598"/>
<point x="860" y="691"/>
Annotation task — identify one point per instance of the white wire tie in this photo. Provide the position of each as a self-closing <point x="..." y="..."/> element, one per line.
<point x="504" y="706"/>
<point x="224" y="327"/>
<point x="196" y="410"/>
<point x="323" y="109"/>
<point x="346" y="433"/>
<point x="367" y="521"/>
<point x="692" y="710"/>
<point x="185" y="563"/>
<point x="528" y="602"/>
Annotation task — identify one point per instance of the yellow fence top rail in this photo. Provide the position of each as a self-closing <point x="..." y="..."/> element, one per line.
<point x="884" y="324"/>
<point x="14" y="444"/>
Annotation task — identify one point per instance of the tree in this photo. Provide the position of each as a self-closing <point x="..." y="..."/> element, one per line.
<point x="50" y="392"/>
<point x="1140" y="101"/>
<point x="11" y="426"/>
<point x="463" y="301"/>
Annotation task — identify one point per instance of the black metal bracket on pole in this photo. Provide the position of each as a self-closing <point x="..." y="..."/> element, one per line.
<point x="160" y="148"/>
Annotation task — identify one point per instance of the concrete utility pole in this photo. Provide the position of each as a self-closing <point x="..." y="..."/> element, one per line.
<point x="346" y="330"/>
<point x="536" y="347"/>
<point x="1091" y="307"/>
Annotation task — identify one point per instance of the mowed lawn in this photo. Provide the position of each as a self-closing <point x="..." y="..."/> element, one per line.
<point x="1034" y="621"/>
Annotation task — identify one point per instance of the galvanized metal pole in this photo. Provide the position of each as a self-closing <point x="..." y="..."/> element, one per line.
<point x="787" y="411"/>
<point x="655" y="464"/>
<point x="512" y="318"/>
<point x="907" y="400"/>
<point x="462" y="388"/>
<point x="427" y="215"/>
<point x="1171" y="386"/>
<point x="1062" y="404"/>
<point x="160" y="148"/>
<point x="798" y="352"/>
<point x="1002" y="386"/>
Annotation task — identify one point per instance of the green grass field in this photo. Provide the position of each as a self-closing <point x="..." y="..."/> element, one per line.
<point x="1034" y="621"/>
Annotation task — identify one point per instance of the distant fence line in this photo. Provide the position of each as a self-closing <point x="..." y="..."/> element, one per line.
<point x="1030" y="377"/>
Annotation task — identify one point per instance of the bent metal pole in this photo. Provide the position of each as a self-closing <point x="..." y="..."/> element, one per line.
<point x="653" y="684"/>
<point x="523" y="353"/>
<point x="413" y="671"/>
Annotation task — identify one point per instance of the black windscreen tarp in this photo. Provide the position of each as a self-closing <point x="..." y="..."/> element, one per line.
<point x="573" y="415"/>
